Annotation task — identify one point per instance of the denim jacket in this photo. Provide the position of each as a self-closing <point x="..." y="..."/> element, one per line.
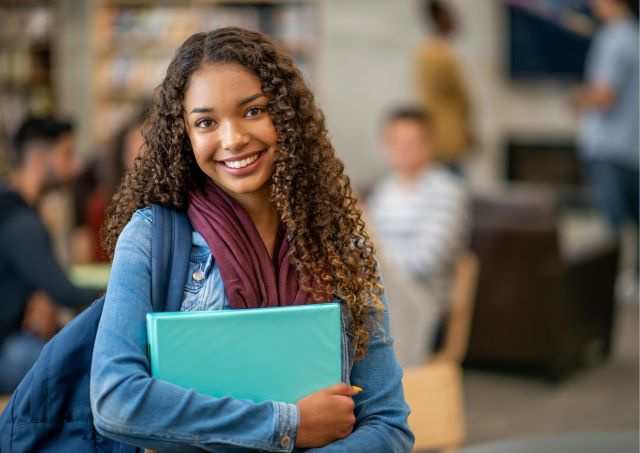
<point x="132" y="407"/>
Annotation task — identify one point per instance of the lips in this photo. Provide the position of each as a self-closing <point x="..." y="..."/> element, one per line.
<point x="241" y="161"/>
<point x="243" y="165"/>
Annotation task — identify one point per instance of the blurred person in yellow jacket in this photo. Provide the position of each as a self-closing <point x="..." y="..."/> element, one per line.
<point x="442" y="88"/>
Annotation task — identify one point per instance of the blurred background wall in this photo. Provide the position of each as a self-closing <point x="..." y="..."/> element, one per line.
<point x="363" y="52"/>
<point x="366" y="67"/>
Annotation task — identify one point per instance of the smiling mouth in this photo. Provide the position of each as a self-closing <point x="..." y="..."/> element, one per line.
<point x="241" y="163"/>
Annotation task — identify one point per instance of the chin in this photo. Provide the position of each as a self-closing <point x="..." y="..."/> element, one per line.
<point x="241" y="187"/>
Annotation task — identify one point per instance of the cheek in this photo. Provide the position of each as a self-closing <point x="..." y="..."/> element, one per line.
<point x="202" y="145"/>
<point x="271" y="165"/>
<point x="63" y="164"/>
<point x="200" y="157"/>
<point x="267" y="132"/>
<point x="274" y="134"/>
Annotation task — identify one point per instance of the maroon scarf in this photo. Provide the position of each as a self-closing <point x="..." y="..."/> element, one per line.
<point x="251" y="278"/>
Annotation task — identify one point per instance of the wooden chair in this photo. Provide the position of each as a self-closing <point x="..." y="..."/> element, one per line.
<point x="463" y="293"/>
<point x="435" y="394"/>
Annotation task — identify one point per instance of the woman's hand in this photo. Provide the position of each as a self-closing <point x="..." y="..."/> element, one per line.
<point x="326" y="416"/>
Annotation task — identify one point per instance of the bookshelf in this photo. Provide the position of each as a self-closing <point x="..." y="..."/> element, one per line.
<point x="26" y="60"/>
<point x="133" y="42"/>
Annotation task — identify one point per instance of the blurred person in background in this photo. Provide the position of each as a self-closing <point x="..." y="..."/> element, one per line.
<point x="419" y="214"/>
<point x="608" y="108"/>
<point x="31" y="280"/>
<point x="442" y="88"/>
<point x="98" y="183"/>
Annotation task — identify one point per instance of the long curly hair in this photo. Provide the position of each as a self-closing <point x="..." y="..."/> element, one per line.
<point x="329" y="246"/>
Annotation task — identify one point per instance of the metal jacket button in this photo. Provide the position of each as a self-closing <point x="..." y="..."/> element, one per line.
<point x="198" y="275"/>
<point x="285" y="441"/>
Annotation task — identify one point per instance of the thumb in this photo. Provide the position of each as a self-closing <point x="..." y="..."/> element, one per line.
<point x="343" y="389"/>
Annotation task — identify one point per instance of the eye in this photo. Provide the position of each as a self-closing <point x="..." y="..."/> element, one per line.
<point x="204" y="123"/>
<point x="254" y="112"/>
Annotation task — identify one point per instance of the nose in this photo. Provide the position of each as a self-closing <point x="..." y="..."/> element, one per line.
<point x="232" y="136"/>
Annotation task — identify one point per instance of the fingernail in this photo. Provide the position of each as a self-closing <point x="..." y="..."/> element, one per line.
<point x="356" y="388"/>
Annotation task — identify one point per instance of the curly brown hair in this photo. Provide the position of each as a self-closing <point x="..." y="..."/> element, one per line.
<point x="329" y="246"/>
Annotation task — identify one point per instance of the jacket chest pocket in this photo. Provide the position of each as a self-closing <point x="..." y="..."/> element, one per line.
<point x="198" y="269"/>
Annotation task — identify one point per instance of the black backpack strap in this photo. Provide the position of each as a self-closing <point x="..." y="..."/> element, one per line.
<point x="170" y="251"/>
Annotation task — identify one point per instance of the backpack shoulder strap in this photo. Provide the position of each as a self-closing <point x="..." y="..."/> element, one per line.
<point x="170" y="251"/>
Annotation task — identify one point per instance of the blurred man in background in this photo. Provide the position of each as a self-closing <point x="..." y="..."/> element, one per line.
<point x="31" y="280"/>
<point x="420" y="213"/>
<point x="441" y="85"/>
<point x="608" y="105"/>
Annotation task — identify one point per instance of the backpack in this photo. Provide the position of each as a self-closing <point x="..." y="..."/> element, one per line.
<point x="50" y="410"/>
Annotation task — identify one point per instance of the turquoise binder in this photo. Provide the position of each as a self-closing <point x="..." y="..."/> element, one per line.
<point x="278" y="354"/>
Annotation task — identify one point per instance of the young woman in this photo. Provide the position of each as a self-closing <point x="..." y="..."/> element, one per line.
<point x="236" y="141"/>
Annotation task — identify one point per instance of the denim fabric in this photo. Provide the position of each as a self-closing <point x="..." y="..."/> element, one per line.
<point x="615" y="188"/>
<point x="18" y="353"/>
<point x="132" y="407"/>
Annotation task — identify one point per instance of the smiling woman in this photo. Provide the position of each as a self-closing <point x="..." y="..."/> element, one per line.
<point x="235" y="139"/>
<point x="232" y="135"/>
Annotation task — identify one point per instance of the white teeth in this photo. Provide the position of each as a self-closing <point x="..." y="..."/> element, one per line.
<point x="242" y="163"/>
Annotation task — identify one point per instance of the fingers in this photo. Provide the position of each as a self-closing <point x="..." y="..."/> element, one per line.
<point x="348" y="427"/>
<point x="343" y="389"/>
<point x="345" y="433"/>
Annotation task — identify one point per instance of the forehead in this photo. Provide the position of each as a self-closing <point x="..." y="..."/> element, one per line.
<point x="405" y="125"/>
<point x="220" y="83"/>
<point x="64" y="144"/>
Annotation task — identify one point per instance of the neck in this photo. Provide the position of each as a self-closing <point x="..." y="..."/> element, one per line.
<point x="28" y="186"/>
<point x="410" y="177"/>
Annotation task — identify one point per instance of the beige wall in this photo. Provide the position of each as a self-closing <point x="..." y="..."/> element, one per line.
<point x="365" y="68"/>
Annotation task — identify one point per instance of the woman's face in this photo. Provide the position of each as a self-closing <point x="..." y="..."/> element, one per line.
<point x="231" y="133"/>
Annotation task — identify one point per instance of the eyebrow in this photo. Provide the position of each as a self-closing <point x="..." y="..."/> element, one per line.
<point x="201" y="110"/>
<point x="253" y="97"/>
<point x="242" y="102"/>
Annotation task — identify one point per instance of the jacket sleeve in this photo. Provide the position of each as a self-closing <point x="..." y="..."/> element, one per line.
<point x="132" y="407"/>
<point x="381" y="411"/>
<point x="28" y="248"/>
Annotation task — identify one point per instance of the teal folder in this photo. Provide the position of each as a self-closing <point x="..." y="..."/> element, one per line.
<point x="278" y="354"/>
